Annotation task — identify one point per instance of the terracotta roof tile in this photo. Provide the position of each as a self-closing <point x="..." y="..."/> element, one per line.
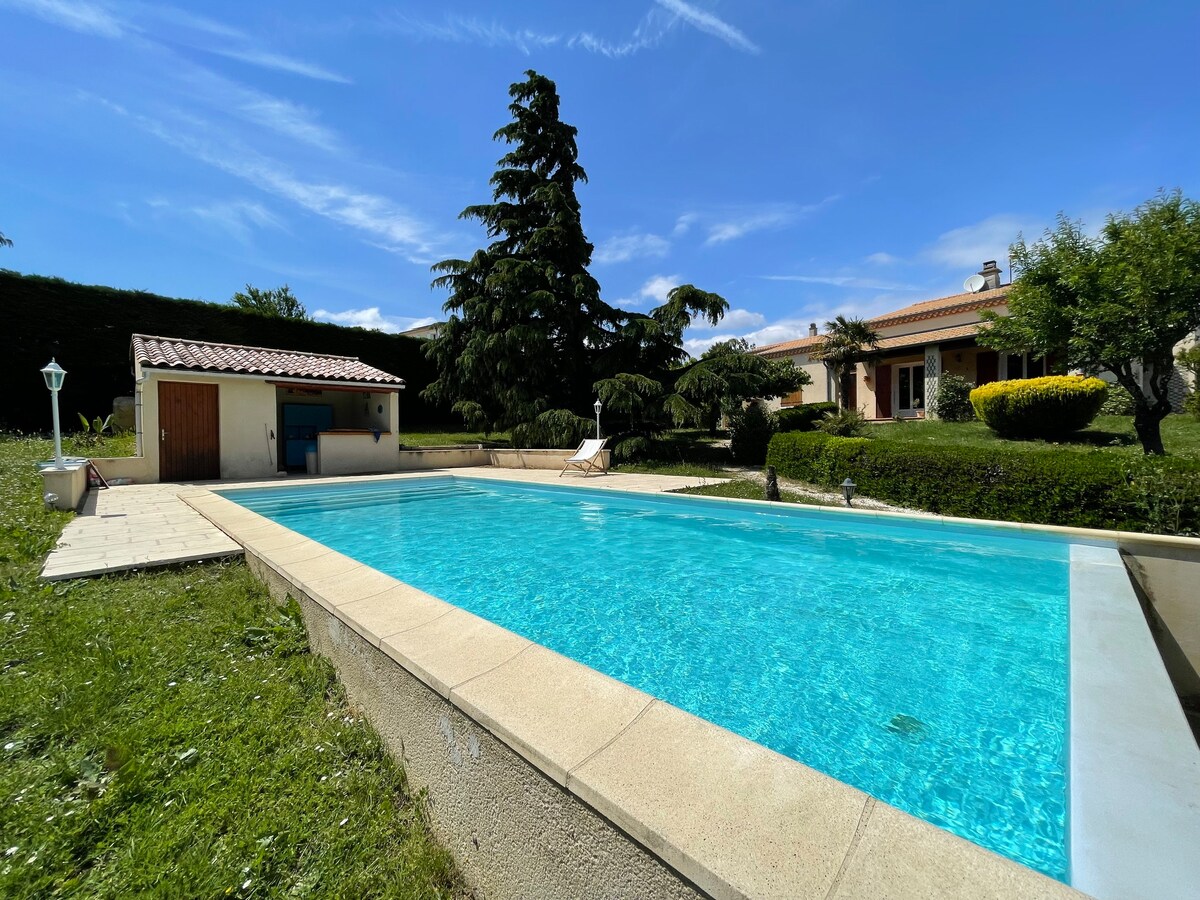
<point x="929" y="337"/>
<point x="205" y="356"/>
<point x="785" y="348"/>
<point x="943" y="306"/>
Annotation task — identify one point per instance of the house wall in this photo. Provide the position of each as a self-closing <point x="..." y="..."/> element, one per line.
<point x="819" y="391"/>
<point x="247" y="413"/>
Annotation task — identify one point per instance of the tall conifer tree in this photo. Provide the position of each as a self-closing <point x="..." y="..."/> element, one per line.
<point x="526" y="319"/>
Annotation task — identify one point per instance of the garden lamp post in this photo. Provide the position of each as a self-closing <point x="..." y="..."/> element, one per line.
<point x="54" y="375"/>
<point x="848" y="489"/>
<point x="597" y="406"/>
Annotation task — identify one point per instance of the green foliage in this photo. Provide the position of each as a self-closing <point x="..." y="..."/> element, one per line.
<point x="805" y="416"/>
<point x="90" y="331"/>
<point x="1052" y="487"/>
<point x="167" y="734"/>
<point x="4" y="242"/>
<point x="1189" y="360"/>
<point x="750" y="489"/>
<point x="842" y="423"/>
<point x="843" y="346"/>
<point x="96" y="425"/>
<point x="555" y="428"/>
<point x="1046" y="408"/>
<point x="1110" y="303"/>
<point x="276" y="303"/>
<point x="750" y="432"/>
<point x="952" y="401"/>
<point x="527" y="330"/>
<point x="1118" y="402"/>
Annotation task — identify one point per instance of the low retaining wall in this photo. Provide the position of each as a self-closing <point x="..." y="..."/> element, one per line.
<point x="537" y="459"/>
<point x="442" y="458"/>
<point x="68" y="484"/>
<point x="135" y="468"/>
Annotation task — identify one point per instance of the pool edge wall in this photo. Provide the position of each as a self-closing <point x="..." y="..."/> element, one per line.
<point x="661" y="804"/>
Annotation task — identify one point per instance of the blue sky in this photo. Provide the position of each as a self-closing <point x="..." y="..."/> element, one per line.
<point x="801" y="158"/>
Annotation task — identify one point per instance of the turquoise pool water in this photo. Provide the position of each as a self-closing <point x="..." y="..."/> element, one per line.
<point x="922" y="664"/>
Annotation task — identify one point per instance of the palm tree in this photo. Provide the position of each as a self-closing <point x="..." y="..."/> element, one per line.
<point x="845" y="342"/>
<point x="4" y="242"/>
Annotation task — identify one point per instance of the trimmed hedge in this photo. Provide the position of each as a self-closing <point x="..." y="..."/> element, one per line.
<point x="87" y="329"/>
<point x="1049" y="487"/>
<point x="804" y="417"/>
<point x="1039" y="407"/>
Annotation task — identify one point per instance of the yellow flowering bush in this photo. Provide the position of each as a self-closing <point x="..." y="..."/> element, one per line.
<point x="1046" y="407"/>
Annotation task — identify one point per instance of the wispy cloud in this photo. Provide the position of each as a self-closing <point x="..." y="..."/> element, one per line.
<point x="279" y="62"/>
<point x="624" y="247"/>
<point x="238" y="218"/>
<point x="460" y="30"/>
<point x="658" y="286"/>
<point x="661" y="18"/>
<point x="845" y="281"/>
<point x="380" y="220"/>
<point x="882" y="259"/>
<point x="736" y="319"/>
<point x="710" y="24"/>
<point x="968" y="247"/>
<point x="371" y="317"/>
<point x="740" y="226"/>
<point x="77" y="15"/>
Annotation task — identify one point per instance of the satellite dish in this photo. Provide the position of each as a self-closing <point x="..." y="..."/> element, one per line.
<point x="975" y="284"/>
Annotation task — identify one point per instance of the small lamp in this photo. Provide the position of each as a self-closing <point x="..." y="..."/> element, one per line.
<point x="848" y="489"/>
<point x="55" y="375"/>
<point x="597" y="406"/>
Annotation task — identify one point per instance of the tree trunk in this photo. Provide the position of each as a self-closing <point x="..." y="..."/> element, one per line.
<point x="1147" y="425"/>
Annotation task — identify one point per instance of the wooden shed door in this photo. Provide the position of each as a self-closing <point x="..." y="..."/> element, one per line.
<point x="189" y="437"/>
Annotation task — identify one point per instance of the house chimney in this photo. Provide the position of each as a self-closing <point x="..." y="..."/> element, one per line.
<point x="991" y="274"/>
<point x="812" y="329"/>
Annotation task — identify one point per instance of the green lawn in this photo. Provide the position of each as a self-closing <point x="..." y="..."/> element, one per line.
<point x="450" y="438"/>
<point x="748" y="489"/>
<point x="168" y="734"/>
<point x="1181" y="435"/>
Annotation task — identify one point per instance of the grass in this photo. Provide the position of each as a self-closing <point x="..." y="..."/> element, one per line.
<point x="169" y="734"/>
<point x="657" y="467"/>
<point x="452" y="438"/>
<point x="748" y="489"/>
<point x="1181" y="435"/>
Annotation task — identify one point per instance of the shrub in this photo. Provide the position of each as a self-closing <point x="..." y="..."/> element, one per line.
<point x="952" y="402"/>
<point x="1050" y="487"/>
<point x="803" y="417"/>
<point x="632" y="449"/>
<point x="750" y="432"/>
<point x="843" y="423"/>
<point x="1047" y="407"/>
<point x="1189" y="361"/>
<point x="1119" y="402"/>
<point x="553" y="429"/>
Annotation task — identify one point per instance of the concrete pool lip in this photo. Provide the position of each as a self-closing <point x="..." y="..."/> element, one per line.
<point x="598" y="738"/>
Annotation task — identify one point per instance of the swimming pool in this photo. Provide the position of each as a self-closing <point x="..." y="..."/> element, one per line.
<point x="924" y="664"/>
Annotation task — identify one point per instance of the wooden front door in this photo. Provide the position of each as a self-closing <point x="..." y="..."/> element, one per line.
<point x="189" y="435"/>
<point x="883" y="392"/>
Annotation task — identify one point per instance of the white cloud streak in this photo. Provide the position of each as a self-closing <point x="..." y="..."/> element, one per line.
<point x="625" y="247"/>
<point x="968" y="247"/>
<point x="89" y="18"/>
<point x="238" y="218"/>
<point x="845" y="281"/>
<point x="710" y="24"/>
<point x="372" y="318"/>
<point x="460" y="30"/>
<point x="280" y="63"/>
<point x="658" y="286"/>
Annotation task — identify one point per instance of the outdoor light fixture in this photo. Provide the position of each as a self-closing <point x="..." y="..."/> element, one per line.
<point x="597" y="406"/>
<point x="848" y="489"/>
<point x="54" y="375"/>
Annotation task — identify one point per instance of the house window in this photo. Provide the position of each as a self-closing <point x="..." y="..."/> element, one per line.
<point x="909" y="388"/>
<point x="1022" y="365"/>
<point x="793" y="399"/>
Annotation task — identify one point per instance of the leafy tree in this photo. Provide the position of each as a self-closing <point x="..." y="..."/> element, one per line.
<point x="278" y="303"/>
<point x="1189" y="360"/>
<point x="529" y="343"/>
<point x="1110" y="303"/>
<point x="526" y="320"/>
<point x="844" y="343"/>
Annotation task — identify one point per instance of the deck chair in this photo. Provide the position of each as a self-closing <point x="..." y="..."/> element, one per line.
<point x="587" y="458"/>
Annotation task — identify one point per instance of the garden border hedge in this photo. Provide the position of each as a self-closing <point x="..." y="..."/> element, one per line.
<point x="1048" y="487"/>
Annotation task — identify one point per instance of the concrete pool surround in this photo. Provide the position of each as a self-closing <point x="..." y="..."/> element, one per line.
<point x="546" y="777"/>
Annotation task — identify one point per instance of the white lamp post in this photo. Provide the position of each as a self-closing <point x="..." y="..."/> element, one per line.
<point x="55" y="375"/>
<point x="597" y="407"/>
